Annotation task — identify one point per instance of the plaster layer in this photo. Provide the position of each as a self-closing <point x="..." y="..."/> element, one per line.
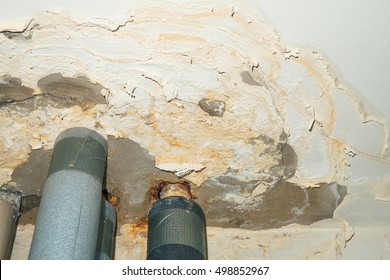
<point x="209" y="91"/>
<point x="154" y="69"/>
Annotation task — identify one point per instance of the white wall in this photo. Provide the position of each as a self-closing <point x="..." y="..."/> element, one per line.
<point x="354" y="35"/>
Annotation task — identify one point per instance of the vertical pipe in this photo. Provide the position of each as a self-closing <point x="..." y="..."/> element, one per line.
<point x="106" y="237"/>
<point x="176" y="226"/>
<point x="68" y="219"/>
<point x="9" y="213"/>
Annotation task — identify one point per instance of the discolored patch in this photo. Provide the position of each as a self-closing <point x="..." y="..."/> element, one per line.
<point x="283" y="157"/>
<point x="214" y="108"/>
<point x="248" y="79"/>
<point x="132" y="180"/>
<point x="67" y="92"/>
<point x="30" y="177"/>
<point x="289" y="160"/>
<point x="29" y="209"/>
<point x="132" y="176"/>
<point x="231" y="205"/>
<point x="12" y="89"/>
<point x="25" y="34"/>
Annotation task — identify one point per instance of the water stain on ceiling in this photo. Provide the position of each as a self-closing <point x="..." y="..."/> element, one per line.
<point x="226" y="200"/>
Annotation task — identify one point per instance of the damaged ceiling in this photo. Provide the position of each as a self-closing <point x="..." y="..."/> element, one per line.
<point x="266" y="134"/>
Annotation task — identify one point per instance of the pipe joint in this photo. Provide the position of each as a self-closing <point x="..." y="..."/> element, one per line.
<point x="178" y="189"/>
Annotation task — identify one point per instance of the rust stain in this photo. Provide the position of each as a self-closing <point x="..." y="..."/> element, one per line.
<point x="168" y="189"/>
<point x="173" y="141"/>
<point x="98" y="125"/>
<point x="154" y="191"/>
<point x="113" y="199"/>
<point x="176" y="143"/>
<point x="139" y="228"/>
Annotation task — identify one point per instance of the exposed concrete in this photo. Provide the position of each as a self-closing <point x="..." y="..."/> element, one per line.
<point x="55" y="90"/>
<point x="214" y="108"/>
<point x="11" y="90"/>
<point x="228" y="203"/>
<point x="248" y="79"/>
<point x="68" y="92"/>
<point x="226" y="200"/>
<point x="131" y="173"/>
<point x="30" y="177"/>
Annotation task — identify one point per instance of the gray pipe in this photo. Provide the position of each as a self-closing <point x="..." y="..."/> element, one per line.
<point x="176" y="226"/>
<point x="106" y="237"/>
<point x="68" y="220"/>
<point x="9" y="213"/>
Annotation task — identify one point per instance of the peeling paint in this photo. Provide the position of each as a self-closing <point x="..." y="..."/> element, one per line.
<point x="151" y="86"/>
<point x="211" y="94"/>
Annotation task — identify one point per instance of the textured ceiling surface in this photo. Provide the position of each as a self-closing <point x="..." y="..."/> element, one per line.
<point x="265" y="132"/>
